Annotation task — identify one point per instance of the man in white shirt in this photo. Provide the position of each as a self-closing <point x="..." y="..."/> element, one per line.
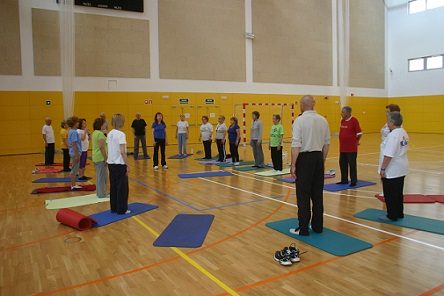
<point x="48" y="138"/>
<point x="309" y="149"/>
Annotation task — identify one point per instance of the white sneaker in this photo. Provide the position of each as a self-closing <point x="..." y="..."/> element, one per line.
<point x="156" y="167"/>
<point x="294" y="230"/>
<point x="165" y="166"/>
<point x="76" y="187"/>
<point x="237" y="163"/>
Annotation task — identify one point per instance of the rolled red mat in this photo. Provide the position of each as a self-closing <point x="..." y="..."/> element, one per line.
<point x="74" y="219"/>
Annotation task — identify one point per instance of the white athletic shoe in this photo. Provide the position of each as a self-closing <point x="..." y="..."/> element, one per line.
<point x="76" y="187"/>
<point x="165" y="166"/>
<point x="237" y="163"/>
<point x="156" y="167"/>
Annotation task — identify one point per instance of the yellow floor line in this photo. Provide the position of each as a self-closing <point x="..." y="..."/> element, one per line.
<point x="191" y="261"/>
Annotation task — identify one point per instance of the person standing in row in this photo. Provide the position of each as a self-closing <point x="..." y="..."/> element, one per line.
<point x="234" y="139"/>
<point x="257" y="130"/>
<point x="64" y="145"/>
<point x="206" y="135"/>
<point x="105" y="127"/>
<point x="309" y="149"/>
<point x="75" y="149"/>
<point x="221" y="133"/>
<point x="182" y="133"/>
<point x="85" y="135"/>
<point x="118" y="166"/>
<point x="99" y="156"/>
<point x="385" y="129"/>
<point x="160" y="139"/>
<point x="139" y="132"/>
<point x="394" y="166"/>
<point x="48" y="139"/>
<point x="276" y="141"/>
<point x="349" y="135"/>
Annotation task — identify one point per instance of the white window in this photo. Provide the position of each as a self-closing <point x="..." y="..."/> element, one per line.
<point x="434" y="62"/>
<point x="416" y="64"/>
<point x="434" y="4"/>
<point x="417" y="6"/>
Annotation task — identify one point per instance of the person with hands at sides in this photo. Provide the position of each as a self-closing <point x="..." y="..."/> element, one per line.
<point x="118" y="166"/>
<point x="394" y="166"/>
<point x="182" y="133"/>
<point x="257" y="129"/>
<point x="275" y="145"/>
<point x="309" y="149"/>
<point x="160" y="140"/>
<point x="85" y="135"/>
<point x="75" y="149"/>
<point x="99" y="156"/>
<point x="234" y="139"/>
<point x="221" y="133"/>
<point x="206" y="135"/>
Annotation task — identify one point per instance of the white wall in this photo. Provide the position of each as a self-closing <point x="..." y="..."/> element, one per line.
<point x="34" y="83"/>
<point x="411" y="36"/>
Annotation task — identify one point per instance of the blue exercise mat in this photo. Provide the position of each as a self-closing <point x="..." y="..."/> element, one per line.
<point x="57" y="180"/>
<point x="339" y="187"/>
<point x="178" y="156"/>
<point x="185" y="231"/>
<point x="205" y="174"/>
<point x="413" y="222"/>
<point x="330" y="241"/>
<point x="106" y="217"/>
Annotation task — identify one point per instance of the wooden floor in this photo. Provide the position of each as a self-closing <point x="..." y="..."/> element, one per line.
<point x="38" y="255"/>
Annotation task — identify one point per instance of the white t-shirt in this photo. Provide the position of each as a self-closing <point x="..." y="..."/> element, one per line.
<point x="114" y="139"/>
<point x="49" y="132"/>
<point x="385" y="131"/>
<point x="395" y="145"/>
<point x="206" y="130"/>
<point x="85" y="143"/>
<point x="182" y="127"/>
<point x="221" y="130"/>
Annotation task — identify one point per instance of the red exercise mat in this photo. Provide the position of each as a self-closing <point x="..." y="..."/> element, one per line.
<point x="438" y="198"/>
<point x="52" y="164"/>
<point x="63" y="188"/>
<point x="411" y="198"/>
<point x="47" y="171"/>
<point x="74" y="219"/>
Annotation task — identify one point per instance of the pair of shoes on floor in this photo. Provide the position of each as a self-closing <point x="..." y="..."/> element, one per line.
<point x="288" y="255"/>
<point x="157" y="167"/>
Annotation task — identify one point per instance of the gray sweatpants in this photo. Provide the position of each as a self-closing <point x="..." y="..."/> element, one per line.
<point x="258" y="154"/>
<point x="101" y="178"/>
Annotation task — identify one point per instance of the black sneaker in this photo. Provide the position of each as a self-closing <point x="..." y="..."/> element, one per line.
<point x="282" y="257"/>
<point x="294" y="253"/>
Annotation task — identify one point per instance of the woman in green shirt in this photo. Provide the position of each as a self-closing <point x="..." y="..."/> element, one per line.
<point x="99" y="156"/>
<point x="276" y="140"/>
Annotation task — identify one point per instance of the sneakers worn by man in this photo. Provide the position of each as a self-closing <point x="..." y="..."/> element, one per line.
<point x="298" y="232"/>
<point x="165" y="166"/>
<point x="156" y="167"/>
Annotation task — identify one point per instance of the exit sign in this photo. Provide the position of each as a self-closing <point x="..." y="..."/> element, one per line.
<point x="209" y="101"/>
<point x="184" y="101"/>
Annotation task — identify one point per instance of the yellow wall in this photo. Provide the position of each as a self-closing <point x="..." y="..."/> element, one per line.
<point x="22" y="114"/>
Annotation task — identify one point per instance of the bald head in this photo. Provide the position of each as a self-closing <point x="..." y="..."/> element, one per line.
<point x="48" y="121"/>
<point x="138" y="115"/>
<point x="307" y="103"/>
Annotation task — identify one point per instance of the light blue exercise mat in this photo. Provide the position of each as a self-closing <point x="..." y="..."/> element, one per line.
<point x="178" y="156"/>
<point x="330" y="241"/>
<point x="413" y="222"/>
<point x="231" y="164"/>
<point x="339" y="187"/>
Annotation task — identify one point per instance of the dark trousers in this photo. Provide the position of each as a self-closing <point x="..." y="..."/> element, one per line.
<point x="346" y="160"/>
<point x="118" y="181"/>
<point x="159" y="143"/>
<point x="66" y="159"/>
<point x="234" y="151"/>
<point x="310" y="185"/>
<point x="49" y="153"/>
<point x="136" y="145"/>
<point x="276" y="158"/>
<point x="394" y="197"/>
<point x="221" y="149"/>
<point x="207" y="148"/>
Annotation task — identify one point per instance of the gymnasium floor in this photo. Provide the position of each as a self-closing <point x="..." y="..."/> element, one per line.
<point x="237" y="255"/>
